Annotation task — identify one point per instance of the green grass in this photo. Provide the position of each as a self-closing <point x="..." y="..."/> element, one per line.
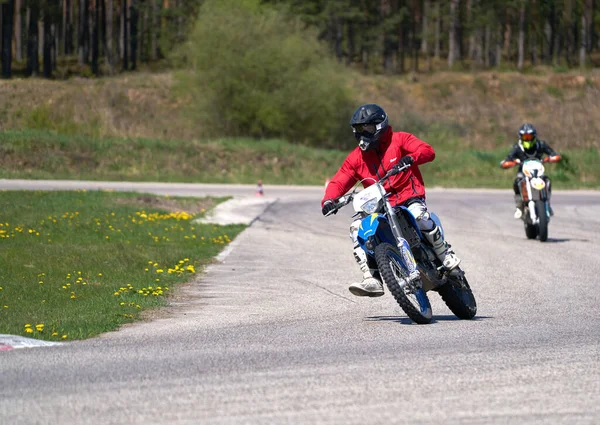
<point x="39" y="155"/>
<point x="81" y="263"/>
<point x="470" y="168"/>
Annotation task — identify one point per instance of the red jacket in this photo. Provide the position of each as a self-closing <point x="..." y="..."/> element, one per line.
<point x="392" y="147"/>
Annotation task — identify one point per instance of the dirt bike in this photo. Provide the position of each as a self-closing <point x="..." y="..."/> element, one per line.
<point x="395" y="246"/>
<point x="534" y="188"/>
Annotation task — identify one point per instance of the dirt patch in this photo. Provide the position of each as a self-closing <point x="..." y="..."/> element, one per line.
<point x="190" y="206"/>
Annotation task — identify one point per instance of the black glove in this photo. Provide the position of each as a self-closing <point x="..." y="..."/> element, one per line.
<point x="328" y="206"/>
<point x="405" y="160"/>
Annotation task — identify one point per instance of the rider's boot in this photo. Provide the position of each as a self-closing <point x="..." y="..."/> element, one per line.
<point x="519" y="204"/>
<point x="370" y="285"/>
<point x="442" y="249"/>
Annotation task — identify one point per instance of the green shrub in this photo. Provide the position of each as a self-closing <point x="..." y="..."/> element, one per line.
<point x="255" y="72"/>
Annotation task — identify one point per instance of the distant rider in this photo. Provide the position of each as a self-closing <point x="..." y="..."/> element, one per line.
<point x="528" y="147"/>
<point x="379" y="149"/>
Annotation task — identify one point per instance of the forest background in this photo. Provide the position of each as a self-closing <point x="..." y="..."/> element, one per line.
<point x="179" y="90"/>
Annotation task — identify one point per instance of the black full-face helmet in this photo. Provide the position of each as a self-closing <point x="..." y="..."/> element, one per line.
<point x="369" y="122"/>
<point x="527" y="137"/>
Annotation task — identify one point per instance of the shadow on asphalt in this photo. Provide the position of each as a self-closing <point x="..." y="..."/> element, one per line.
<point x="407" y="321"/>
<point x="559" y="240"/>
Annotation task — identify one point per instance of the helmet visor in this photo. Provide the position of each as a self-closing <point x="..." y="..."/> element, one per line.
<point x="527" y="137"/>
<point x="366" y="129"/>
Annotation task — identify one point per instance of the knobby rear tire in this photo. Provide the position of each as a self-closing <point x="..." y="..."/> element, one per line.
<point x="459" y="298"/>
<point x="383" y="254"/>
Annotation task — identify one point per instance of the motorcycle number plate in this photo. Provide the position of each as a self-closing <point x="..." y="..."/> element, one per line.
<point x="538" y="183"/>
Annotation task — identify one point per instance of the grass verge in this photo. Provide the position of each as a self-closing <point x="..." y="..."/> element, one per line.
<point x="41" y="155"/>
<point x="79" y="263"/>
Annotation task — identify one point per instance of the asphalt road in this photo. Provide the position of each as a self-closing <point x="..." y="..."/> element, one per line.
<point x="271" y="335"/>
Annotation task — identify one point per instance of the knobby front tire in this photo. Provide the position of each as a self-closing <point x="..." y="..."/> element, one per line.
<point x="540" y="209"/>
<point x="389" y="262"/>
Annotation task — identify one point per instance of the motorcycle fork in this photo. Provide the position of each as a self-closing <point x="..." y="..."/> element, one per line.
<point x="531" y="203"/>
<point x="401" y="243"/>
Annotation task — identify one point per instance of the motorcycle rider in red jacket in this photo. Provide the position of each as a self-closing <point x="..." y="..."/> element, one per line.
<point x="379" y="149"/>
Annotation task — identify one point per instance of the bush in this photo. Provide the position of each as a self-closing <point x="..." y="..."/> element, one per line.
<point x="255" y="72"/>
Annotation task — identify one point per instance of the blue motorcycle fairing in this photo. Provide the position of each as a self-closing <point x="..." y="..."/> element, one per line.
<point x="413" y="221"/>
<point x="375" y="224"/>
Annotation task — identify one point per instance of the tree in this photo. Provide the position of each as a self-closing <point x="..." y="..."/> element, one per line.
<point x="32" y="39"/>
<point x="8" y="10"/>
<point x="521" y="56"/>
<point x="452" y="33"/>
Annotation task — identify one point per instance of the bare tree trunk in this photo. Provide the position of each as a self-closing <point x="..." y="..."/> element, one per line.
<point x="507" y="35"/>
<point x="8" y="11"/>
<point x="33" y="63"/>
<point x="40" y="27"/>
<point x="95" y="36"/>
<point x="18" y="31"/>
<point x="415" y="45"/>
<point x="452" y="35"/>
<point x="589" y="21"/>
<point x="125" y="26"/>
<point x="487" y="46"/>
<point x="385" y="9"/>
<point x="498" y="60"/>
<point x="568" y="22"/>
<point x="133" y="33"/>
<point x="521" y="58"/>
<point x="83" y="33"/>
<point x="472" y="35"/>
<point x="55" y="45"/>
<point x="351" y="44"/>
<point x="583" y="39"/>
<point x="180" y="23"/>
<point x="108" y="49"/>
<point x="47" y="45"/>
<point x="425" y="26"/>
<point x="401" y="47"/>
<point x="425" y="34"/>
<point x="533" y="48"/>
<point x="338" y="36"/>
<point x="155" y="29"/>
<point x="438" y="24"/>
<point x="67" y="27"/>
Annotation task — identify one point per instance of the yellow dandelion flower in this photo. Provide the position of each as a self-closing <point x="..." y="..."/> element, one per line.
<point x="54" y="333"/>
<point x="99" y="274"/>
<point x="5" y="306"/>
<point x="29" y="330"/>
<point x="64" y="336"/>
<point x="28" y="325"/>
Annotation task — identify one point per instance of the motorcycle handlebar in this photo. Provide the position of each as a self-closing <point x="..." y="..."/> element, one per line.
<point x="344" y="200"/>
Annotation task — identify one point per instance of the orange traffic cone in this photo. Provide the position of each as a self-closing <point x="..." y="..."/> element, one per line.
<point x="259" y="189"/>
